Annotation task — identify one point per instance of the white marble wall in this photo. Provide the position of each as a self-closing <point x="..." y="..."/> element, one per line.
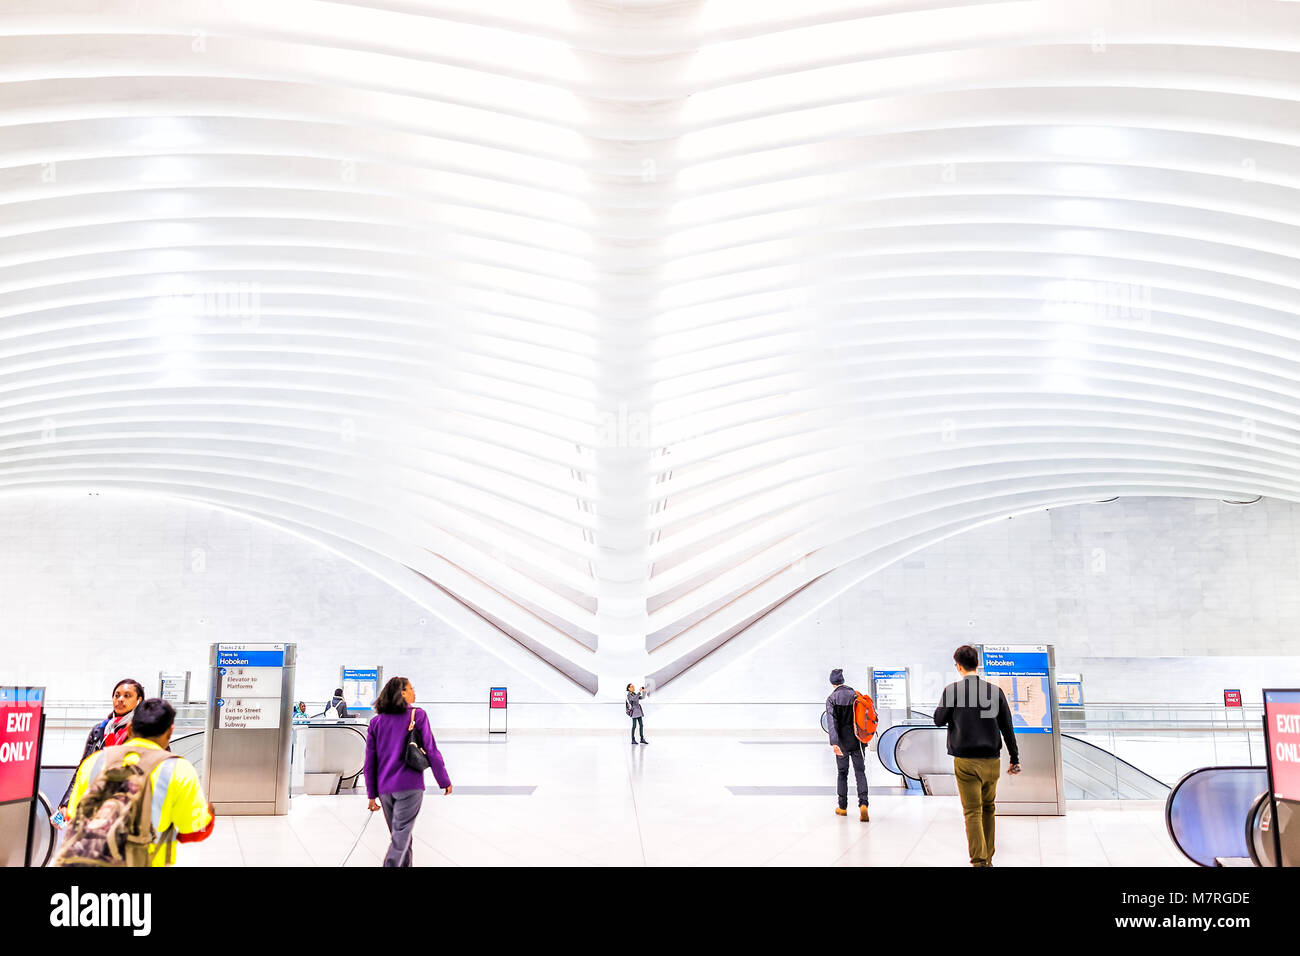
<point x="95" y="588"/>
<point x="1164" y="599"/>
<point x="1153" y="599"/>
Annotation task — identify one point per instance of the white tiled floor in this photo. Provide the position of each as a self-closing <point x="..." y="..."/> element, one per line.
<point x="600" y="801"/>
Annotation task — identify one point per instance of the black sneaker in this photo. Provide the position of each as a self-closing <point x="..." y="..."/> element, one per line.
<point x="645" y="741"/>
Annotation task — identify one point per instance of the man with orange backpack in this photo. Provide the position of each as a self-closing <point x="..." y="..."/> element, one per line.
<point x="851" y="722"/>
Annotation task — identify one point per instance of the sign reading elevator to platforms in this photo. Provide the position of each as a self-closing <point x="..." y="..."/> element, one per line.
<point x="249" y="685"/>
<point x="1024" y="674"/>
<point x="1282" y="725"/>
<point x="20" y="734"/>
<point x="250" y="682"/>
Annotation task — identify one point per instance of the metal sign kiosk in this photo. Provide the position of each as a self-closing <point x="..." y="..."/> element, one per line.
<point x="249" y="728"/>
<point x="1027" y="675"/>
<point x="891" y="689"/>
<point x="497" y="705"/>
<point x="22" y="729"/>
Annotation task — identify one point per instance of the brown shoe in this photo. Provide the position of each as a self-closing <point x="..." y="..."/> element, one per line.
<point x="841" y="812"/>
<point x="863" y="815"/>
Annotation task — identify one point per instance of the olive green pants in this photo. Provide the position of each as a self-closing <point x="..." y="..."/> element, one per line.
<point x="977" y="785"/>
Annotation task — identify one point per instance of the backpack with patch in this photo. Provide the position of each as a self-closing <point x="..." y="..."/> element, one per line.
<point x="114" y="821"/>
<point x="865" y="718"/>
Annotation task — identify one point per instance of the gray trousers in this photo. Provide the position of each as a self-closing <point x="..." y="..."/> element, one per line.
<point x="842" y="776"/>
<point x="400" y="810"/>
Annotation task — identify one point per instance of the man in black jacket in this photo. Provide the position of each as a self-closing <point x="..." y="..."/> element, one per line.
<point x="976" y="713"/>
<point x="845" y="744"/>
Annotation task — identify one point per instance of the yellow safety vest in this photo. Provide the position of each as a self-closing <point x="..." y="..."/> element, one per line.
<point x="178" y="799"/>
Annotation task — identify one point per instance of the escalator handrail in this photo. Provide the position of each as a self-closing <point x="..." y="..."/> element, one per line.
<point x="892" y="751"/>
<point x="1086" y="743"/>
<point x="909" y="729"/>
<point x="354" y="729"/>
<point x="357" y="731"/>
<point x="1173" y="792"/>
<point x="1116" y="757"/>
<point x="1254" y="811"/>
<point x="912" y="712"/>
<point x="43" y="800"/>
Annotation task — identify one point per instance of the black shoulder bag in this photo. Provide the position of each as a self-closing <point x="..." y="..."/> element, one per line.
<point x="414" y="754"/>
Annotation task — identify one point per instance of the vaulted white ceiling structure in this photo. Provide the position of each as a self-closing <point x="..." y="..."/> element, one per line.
<point x="621" y="323"/>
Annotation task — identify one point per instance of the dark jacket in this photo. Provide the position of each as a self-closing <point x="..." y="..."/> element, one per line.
<point x="839" y="718"/>
<point x="976" y="713"/>
<point x="339" y="706"/>
<point x="94" y="744"/>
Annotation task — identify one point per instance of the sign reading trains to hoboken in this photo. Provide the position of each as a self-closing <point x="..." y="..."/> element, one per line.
<point x="250" y="655"/>
<point x="1023" y="673"/>
<point x="1282" y="720"/>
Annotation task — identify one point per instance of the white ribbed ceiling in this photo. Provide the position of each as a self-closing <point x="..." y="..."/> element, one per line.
<point x="623" y="322"/>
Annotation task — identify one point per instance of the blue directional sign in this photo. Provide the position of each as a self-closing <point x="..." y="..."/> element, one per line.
<point x="250" y="658"/>
<point x="1024" y="675"/>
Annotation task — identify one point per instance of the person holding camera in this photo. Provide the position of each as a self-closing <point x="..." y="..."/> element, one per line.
<point x="633" y="710"/>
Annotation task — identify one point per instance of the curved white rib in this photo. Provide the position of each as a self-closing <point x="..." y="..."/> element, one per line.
<point x="622" y="324"/>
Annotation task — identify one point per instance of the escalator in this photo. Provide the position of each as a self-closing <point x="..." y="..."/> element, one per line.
<point x="919" y="753"/>
<point x="45" y="836"/>
<point x="190" y="746"/>
<point x="1221" y="816"/>
<point x="886" y="741"/>
<point x="326" y="750"/>
<point x="1093" y="773"/>
<point x="1216" y="816"/>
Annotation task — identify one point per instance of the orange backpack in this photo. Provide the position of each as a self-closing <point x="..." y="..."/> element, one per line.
<point x="865" y="717"/>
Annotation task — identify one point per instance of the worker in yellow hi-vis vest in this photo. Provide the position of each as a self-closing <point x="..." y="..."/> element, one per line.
<point x="157" y="792"/>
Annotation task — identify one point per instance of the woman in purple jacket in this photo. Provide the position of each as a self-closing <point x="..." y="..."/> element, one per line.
<point x="390" y="784"/>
